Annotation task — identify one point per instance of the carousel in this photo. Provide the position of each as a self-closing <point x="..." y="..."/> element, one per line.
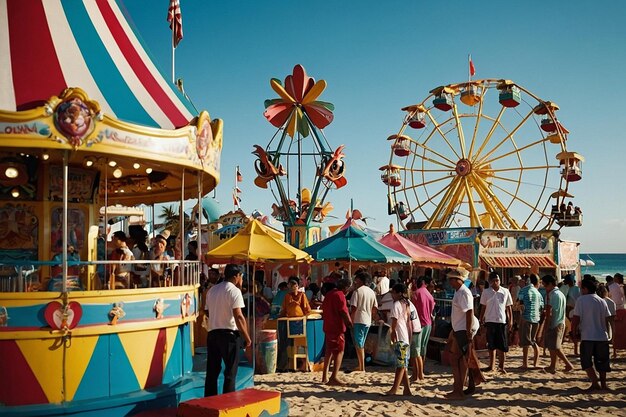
<point x="88" y="122"/>
<point x="481" y="170"/>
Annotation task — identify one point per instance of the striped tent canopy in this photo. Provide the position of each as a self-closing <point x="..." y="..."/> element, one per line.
<point x="78" y="79"/>
<point x="90" y="44"/>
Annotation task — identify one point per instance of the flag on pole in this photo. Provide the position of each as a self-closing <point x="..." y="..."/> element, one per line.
<point x="175" y="19"/>
<point x="472" y="70"/>
<point x="239" y="176"/>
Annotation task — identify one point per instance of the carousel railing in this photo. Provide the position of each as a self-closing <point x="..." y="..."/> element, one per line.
<point x="27" y="276"/>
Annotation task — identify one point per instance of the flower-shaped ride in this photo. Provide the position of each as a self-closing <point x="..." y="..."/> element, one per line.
<point x="298" y="113"/>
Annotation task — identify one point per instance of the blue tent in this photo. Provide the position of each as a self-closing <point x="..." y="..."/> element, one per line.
<point x="353" y="244"/>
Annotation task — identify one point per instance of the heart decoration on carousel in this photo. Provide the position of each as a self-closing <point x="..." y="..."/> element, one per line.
<point x="57" y="320"/>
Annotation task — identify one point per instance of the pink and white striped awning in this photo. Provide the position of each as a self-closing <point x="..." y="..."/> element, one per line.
<point x="49" y="45"/>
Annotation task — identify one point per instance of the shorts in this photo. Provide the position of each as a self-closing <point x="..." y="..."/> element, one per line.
<point x="360" y="334"/>
<point x="594" y="353"/>
<point x="528" y="333"/>
<point x="424" y="339"/>
<point x="335" y="343"/>
<point x="497" y="337"/>
<point x="401" y="350"/>
<point x="416" y="345"/>
<point x="554" y="337"/>
<point x="461" y="341"/>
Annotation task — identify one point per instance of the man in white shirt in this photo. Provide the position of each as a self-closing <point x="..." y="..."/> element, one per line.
<point x="497" y="314"/>
<point x="363" y="306"/>
<point x="227" y="330"/>
<point x="590" y="317"/>
<point x="464" y="328"/>
<point x="382" y="282"/>
<point x="616" y="291"/>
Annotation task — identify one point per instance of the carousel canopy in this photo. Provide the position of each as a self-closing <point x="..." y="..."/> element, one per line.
<point x="353" y="244"/>
<point x="77" y="84"/>
<point x="52" y="45"/>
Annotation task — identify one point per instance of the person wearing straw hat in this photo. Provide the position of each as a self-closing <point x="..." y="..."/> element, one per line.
<point x="464" y="327"/>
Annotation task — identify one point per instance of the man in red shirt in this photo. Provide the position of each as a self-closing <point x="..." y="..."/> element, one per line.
<point x="336" y="321"/>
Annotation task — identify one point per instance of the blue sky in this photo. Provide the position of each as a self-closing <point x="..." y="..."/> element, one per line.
<point x="380" y="56"/>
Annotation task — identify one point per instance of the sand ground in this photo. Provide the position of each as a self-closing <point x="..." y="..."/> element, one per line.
<point x="517" y="393"/>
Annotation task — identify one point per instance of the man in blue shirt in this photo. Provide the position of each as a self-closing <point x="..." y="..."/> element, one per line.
<point x="554" y="324"/>
<point x="532" y="303"/>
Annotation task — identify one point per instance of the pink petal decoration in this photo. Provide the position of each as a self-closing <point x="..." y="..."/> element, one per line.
<point x="320" y="116"/>
<point x="277" y="114"/>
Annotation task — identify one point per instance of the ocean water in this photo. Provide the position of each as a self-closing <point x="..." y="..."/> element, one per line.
<point x="605" y="264"/>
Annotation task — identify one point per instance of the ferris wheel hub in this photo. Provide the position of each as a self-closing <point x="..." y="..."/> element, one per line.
<point x="463" y="167"/>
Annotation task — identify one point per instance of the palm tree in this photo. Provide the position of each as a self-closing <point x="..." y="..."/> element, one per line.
<point x="171" y="220"/>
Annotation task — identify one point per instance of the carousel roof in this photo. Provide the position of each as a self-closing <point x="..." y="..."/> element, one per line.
<point x="56" y="44"/>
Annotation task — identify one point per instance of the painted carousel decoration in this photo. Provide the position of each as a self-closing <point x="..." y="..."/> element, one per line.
<point x="297" y="150"/>
<point x="87" y="121"/>
<point x="464" y="158"/>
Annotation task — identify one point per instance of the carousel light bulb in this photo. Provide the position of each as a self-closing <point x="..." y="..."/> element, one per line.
<point x="15" y="193"/>
<point x="148" y="170"/>
<point x="88" y="162"/>
<point x="112" y="163"/>
<point x="136" y="165"/>
<point x="11" y="172"/>
<point x="121" y="190"/>
<point x="45" y="156"/>
<point x="117" y="173"/>
<point x="149" y="187"/>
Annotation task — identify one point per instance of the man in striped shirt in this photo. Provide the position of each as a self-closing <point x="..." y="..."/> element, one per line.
<point x="532" y="304"/>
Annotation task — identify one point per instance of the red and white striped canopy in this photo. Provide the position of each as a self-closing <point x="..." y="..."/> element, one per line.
<point x="49" y="45"/>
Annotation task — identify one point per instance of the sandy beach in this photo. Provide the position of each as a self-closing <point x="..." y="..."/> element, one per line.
<point x="517" y="393"/>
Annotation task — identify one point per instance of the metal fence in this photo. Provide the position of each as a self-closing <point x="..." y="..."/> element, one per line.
<point x="22" y="276"/>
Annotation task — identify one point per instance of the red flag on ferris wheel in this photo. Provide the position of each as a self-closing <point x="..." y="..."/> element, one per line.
<point x="472" y="70"/>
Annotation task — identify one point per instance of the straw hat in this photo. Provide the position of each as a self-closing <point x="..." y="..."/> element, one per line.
<point x="458" y="273"/>
<point x="164" y="235"/>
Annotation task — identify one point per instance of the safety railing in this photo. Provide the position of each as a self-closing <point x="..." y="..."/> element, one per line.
<point x="26" y="276"/>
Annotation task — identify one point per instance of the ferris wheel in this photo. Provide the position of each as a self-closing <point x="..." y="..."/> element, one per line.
<point x="484" y="153"/>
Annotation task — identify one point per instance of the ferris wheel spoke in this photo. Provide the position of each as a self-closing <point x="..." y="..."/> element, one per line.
<point x="451" y="208"/>
<point x="459" y="130"/>
<point x="428" y="149"/>
<point x="436" y="220"/>
<point x="430" y="198"/>
<point x="524" y="168"/>
<point x="423" y="184"/>
<point x="514" y="151"/>
<point x="437" y="129"/>
<point x="473" y="214"/>
<point x="522" y="201"/>
<point x="477" y="124"/>
<point x="498" y="212"/>
<point x="483" y="145"/>
<point x="505" y="139"/>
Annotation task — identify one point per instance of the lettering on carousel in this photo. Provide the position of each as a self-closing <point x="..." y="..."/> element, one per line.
<point x="33" y="128"/>
<point x="178" y="146"/>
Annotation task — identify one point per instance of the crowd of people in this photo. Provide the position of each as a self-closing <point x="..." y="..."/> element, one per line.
<point x="534" y="312"/>
<point x="133" y="246"/>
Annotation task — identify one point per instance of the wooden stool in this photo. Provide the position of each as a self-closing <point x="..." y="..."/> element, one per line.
<point x="296" y="330"/>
